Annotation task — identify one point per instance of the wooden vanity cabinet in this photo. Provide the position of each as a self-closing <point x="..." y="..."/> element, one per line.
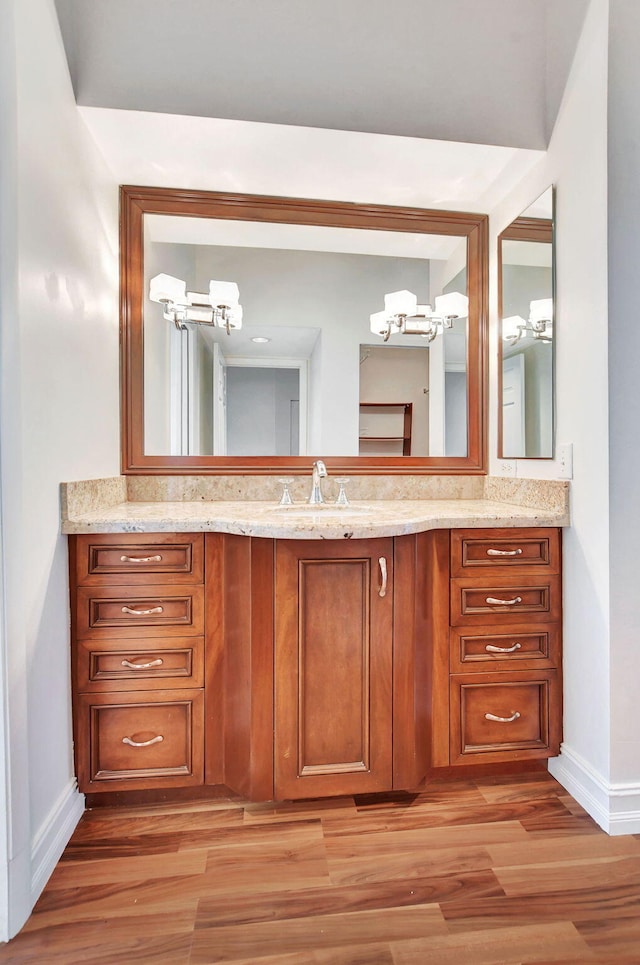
<point x="289" y="669"/>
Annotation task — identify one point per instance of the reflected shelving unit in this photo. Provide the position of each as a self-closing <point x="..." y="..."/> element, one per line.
<point x="385" y="428"/>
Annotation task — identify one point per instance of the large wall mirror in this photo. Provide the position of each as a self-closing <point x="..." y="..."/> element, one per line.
<point x="526" y="262"/>
<point x="260" y="333"/>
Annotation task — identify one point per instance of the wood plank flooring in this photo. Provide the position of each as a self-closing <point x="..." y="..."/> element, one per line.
<point x="491" y="871"/>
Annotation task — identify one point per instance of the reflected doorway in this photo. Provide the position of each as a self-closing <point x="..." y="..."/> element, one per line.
<point x="263" y="409"/>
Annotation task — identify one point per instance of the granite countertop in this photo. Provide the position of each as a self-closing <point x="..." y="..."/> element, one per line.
<point x="103" y="506"/>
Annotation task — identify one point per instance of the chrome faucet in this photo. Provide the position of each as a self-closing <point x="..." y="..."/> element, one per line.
<point x="319" y="472"/>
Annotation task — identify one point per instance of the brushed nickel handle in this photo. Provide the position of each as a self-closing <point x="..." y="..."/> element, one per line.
<point x="503" y="720"/>
<point x="140" y="559"/>
<point x="383" y="576"/>
<point x="491" y="649"/>
<point x="154" y="740"/>
<point x="492" y="552"/>
<point x="142" y="613"/>
<point x="491" y="600"/>
<point x="142" y="666"/>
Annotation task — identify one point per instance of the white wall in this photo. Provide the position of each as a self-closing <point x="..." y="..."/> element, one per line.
<point x="157" y="344"/>
<point x="59" y="420"/>
<point x="8" y="342"/>
<point x="520" y="284"/>
<point x="259" y="410"/>
<point x="624" y="399"/>
<point x="577" y="164"/>
<point x="455" y="408"/>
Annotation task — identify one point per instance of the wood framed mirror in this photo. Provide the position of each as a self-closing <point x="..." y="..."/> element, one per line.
<point x="304" y="376"/>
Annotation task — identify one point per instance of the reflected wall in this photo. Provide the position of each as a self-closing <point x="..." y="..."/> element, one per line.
<point x="527" y="334"/>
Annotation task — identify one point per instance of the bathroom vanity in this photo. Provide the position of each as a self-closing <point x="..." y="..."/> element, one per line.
<point x="291" y="651"/>
<point x="290" y="667"/>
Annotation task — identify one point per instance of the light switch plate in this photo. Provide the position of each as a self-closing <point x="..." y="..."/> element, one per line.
<point x="565" y="460"/>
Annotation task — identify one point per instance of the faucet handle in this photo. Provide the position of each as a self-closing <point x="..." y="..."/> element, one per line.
<point x="285" y="499"/>
<point x="342" y="496"/>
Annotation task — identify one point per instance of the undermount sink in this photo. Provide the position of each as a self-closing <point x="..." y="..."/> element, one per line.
<point x="325" y="509"/>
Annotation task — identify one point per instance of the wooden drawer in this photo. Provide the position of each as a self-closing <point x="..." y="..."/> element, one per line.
<point x="140" y="740"/>
<point x="528" y="600"/>
<point x="133" y="558"/>
<point x="527" y="708"/>
<point x="487" y="552"/>
<point x="122" y="665"/>
<point x="140" y="611"/>
<point x="481" y="649"/>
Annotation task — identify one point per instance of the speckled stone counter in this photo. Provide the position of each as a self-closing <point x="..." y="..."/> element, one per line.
<point x="379" y="506"/>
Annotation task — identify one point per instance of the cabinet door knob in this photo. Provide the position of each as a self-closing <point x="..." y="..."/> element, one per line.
<point x="491" y="649"/>
<point x="142" y="613"/>
<point x="492" y="552"/>
<point x="154" y="740"/>
<point x="140" y="559"/>
<point x="503" y="720"/>
<point x="491" y="600"/>
<point x="142" y="666"/>
<point x="383" y="576"/>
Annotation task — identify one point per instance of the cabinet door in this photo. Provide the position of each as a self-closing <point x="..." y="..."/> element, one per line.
<point x="333" y="667"/>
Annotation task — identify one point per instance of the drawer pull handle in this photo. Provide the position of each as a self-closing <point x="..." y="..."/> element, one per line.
<point x="491" y="600"/>
<point x="154" y="740"/>
<point x="491" y="649"/>
<point x="492" y="552"/>
<point x="503" y="720"/>
<point x="141" y="559"/>
<point x="142" y="613"/>
<point x="383" y="576"/>
<point x="142" y="666"/>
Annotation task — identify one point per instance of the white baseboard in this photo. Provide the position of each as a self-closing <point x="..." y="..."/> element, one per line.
<point x="53" y="836"/>
<point x="615" y="807"/>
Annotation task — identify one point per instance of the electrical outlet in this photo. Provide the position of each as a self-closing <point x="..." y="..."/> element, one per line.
<point x="507" y="467"/>
<point x="565" y="461"/>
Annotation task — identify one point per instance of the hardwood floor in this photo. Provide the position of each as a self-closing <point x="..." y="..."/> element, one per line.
<point x="467" y="872"/>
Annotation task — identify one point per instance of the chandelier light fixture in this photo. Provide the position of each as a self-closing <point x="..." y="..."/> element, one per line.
<point x="219" y="308"/>
<point x="539" y="323"/>
<point x="402" y="315"/>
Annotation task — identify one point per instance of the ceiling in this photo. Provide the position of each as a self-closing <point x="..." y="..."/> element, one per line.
<point x="478" y="71"/>
<point x="173" y="229"/>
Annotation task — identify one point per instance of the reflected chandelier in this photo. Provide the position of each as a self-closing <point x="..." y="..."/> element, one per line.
<point x="539" y="323"/>
<point x="403" y="315"/>
<point x="219" y="308"/>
